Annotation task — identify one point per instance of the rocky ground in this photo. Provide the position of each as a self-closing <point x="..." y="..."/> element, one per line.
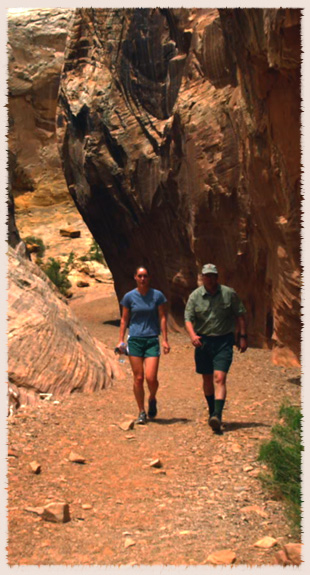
<point x="168" y="493"/>
<point x="205" y="498"/>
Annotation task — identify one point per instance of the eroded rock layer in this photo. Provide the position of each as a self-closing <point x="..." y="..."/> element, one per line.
<point x="49" y="351"/>
<point x="179" y="132"/>
<point x="36" y="43"/>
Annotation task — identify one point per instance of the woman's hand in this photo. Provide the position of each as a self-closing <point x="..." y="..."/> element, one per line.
<point x="166" y="346"/>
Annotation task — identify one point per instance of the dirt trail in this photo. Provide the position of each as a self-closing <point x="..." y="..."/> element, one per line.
<point x="123" y="511"/>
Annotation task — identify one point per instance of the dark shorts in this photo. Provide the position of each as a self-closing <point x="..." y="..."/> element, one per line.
<point x="143" y="346"/>
<point x="215" y="354"/>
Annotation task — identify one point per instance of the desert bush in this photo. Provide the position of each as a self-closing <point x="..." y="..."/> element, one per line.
<point x="282" y="454"/>
<point x="58" y="273"/>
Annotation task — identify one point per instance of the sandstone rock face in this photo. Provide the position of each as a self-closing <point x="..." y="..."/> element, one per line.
<point x="48" y="350"/>
<point x="179" y="135"/>
<point x="36" y="42"/>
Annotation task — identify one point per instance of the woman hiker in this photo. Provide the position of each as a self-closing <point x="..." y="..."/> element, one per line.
<point x="144" y="311"/>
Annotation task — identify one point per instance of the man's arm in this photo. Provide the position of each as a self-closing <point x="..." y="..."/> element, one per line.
<point x="162" y="311"/>
<point x="243" y="342"/>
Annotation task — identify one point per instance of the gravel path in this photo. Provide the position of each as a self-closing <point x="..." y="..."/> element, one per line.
<point x="206" y="497"/>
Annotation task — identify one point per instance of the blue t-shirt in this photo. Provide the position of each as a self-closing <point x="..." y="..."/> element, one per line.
<point x="144" y="317"/>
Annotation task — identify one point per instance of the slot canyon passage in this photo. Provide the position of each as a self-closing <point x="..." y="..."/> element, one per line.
<point x="168" y="137"/>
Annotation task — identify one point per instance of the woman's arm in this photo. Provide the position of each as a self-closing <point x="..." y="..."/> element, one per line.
<point x="123" y="325"/>
<point x="162" y="310"/>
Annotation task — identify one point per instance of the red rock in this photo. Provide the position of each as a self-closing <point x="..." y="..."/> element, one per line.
<point x="224" y="557"/>
<point x="266" y="543"/>
<point x="56" y="512"/>
<point x="35" y="467"/>
<point x="293" y="552"/>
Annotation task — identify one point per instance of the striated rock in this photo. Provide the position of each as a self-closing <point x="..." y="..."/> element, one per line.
<point x="49" y="352"/>
<point x="175" y="150"/>
<point x="179" y="136"/>
<point x="36" y="43"/>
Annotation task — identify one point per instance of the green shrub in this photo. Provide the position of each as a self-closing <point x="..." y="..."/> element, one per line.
<point x="58" y="274"/>
<point x="282" y="454"/>
<point x="32" y="240"/>
<point x="95" y="252"/>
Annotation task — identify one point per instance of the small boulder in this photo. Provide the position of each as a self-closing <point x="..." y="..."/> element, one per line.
<point x="224" y="557"/>
<point x="70" y="233"/>
<point x="156" y="463"/>
<point x="266" y="543"/>
<point x="35" y="467"/>
<point x="76" y="458"/>
<point x="56" y="512"/>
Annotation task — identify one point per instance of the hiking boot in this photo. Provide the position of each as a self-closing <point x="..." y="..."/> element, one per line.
<point x="142" y="418"/>
<point x="152" y="408"/>
<point x="215" y="422"/>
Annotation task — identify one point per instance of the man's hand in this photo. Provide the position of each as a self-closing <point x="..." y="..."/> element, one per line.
<point x="243" y="344"/>
<point x="196" y="340"/>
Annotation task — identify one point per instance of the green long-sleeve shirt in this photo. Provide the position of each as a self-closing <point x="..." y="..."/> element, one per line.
<point x="214" y="314"/>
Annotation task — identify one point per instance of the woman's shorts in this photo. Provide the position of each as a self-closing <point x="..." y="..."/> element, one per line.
<point x="143" y="346"/>
<point x="215" y="354"/>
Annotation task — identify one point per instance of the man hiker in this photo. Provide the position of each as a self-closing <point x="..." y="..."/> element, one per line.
<point x="212" y="313"/>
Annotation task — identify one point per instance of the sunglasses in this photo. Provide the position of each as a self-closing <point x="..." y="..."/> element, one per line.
<point x="143" y="276"/>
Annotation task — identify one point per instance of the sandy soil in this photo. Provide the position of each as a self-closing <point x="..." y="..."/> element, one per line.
<point x="124" y="511"/>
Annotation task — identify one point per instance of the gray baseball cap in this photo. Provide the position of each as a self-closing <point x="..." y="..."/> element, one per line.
<point x="209" y="269"/>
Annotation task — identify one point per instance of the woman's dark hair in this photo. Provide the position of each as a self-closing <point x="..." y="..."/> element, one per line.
<point x="142" y="267"/>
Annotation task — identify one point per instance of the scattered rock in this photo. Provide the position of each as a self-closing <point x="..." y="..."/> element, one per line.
<point x="127" y="425"/>
<point x="224" y="557"/>
<point x="159" y="472"/>
<point x="76" y="458"/>
<point x="254" y="509"/>
<point x="87" y="506"/>
<point x="266" y="543"/>
<point x="293" y="552"/>
<point x="82" y="284"/>
<point x="12" y="453"/>
<point x="156" y="463"/>
<point x="35" y="510"/>
<point x="70" y="233"/>
<point x="248" y="468"/>
<point x="56" y="512"/>
<point x="35" y="467"/>
<point x="129" y="542"/>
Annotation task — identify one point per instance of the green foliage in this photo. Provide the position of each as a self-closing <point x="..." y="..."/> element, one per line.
<point x="32" y="240"/>
<point x="283" y="457"/>
<point x="94" y="253"/>
<point x="58" y="274"/>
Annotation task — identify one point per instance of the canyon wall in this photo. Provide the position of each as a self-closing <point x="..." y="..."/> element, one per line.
<point x="179" y="137"/>
<point x="35" y="49"/>
<point x="179" y="132"/>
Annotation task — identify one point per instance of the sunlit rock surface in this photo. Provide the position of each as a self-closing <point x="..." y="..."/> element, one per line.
<point x="35" y="48"/>
<point x="179" y="133"/>
<point x="49" y="351"/>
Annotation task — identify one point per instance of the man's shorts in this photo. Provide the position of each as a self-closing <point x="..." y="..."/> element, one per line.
<point x="215" y="354"/>
<point x="143" y="346"/>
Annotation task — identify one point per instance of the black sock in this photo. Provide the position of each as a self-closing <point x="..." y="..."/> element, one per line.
<point x="210" y="401"/>
<point x="218" y="407"/>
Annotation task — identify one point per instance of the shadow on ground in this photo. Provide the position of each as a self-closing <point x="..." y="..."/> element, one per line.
<point x="171" y="421"/>
<point x="233" y="425"/>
